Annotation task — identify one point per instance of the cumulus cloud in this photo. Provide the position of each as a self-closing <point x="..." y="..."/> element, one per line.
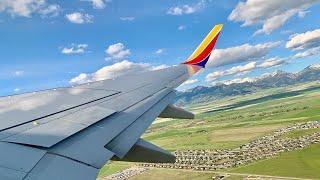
<point x="162" y="66"/>
<point x="117" y="51"/>
<point x="81" y="78"/>
<point x="98" y="4"/>
<point x="159" y="51"/>
<point x="245" y="52"/>
<point x="309" y="39"/>
<point x="286" y="32"/>
<point x="235" y="81"/>
<point x="74" y="49"/>
<point x="18" y="73"/>
<point x="232" y="71"/>
<point x="181" y="27"/>
<point x="275" y="61"/>
<point x="79" y="18"/>
<point x="190" y="81"/>
<point x="25" y="8"/>
<point x="186" y="9"/>
<point x="115" y="70"/>
<point x="302" y="14"/>
<point x="307" y="53"/>
<point x="307" y="43"/>
<point x="272" y="14"/>
<point x="243" y="69"/>
<point x="180" y="10"/>
<point x="214" y="75"/>
<point x="50" y="11"/>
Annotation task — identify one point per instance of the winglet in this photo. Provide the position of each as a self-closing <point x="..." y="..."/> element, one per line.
<point x="201" y="55"/>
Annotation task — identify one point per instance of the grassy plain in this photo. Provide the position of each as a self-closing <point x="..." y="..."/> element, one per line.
<point x="113" y="167"/>
<point x="303" y="163"/>
<point x="232" y="121"/>
<point x="170" y="174"/>
<point x="300" y="132"/>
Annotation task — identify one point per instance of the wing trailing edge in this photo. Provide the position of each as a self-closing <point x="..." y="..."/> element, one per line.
<point x="172" y="111"/>
<point x="144" y="151"/>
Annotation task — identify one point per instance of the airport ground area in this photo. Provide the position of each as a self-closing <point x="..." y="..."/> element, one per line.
<point x="271" y="134"/>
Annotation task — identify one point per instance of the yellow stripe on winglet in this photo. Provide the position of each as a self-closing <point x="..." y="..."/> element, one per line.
<point x="212" y="34"/>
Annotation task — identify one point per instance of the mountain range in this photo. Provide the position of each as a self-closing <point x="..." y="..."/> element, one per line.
<point x="277" y="79"/>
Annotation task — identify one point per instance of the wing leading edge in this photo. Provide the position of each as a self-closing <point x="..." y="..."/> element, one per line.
<point x="70" y="133"/>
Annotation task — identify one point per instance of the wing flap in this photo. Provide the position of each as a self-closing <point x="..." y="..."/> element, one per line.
<point x="92" y="140"/>
<point x="121" y="144"/>
<point x="174" y="112"/>
<point x="144" y="151"/>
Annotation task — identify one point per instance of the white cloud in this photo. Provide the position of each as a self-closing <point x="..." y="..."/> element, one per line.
<point x="115" y="70"/>
<point x="80" y="79"/>
<point x="245" y="52"/>
<point x="232" y="71"/>
<point x="307" y="53"/>
<point x="117" y="51"/>
<point x="98" y="4"/>
<point x="214" y="75"/>
<point x="302" y="14"/>
<point x="309" y="39"/>
<point x="159" y="51"/>
<point x="286" y="32"/>
<point x="181" y="27"/>
<point x="190" y="81"/>
<point x="25" y="8"/>
<point x="50" y="11"/>
<point x="272" y="14"/>
<point x="275" y="61"/>
<point x="18" y="73"/>
<point x="79" y="18"/>
<point x="16" y="90"/>
<point x="128" y="18"/>
<point x="241" y="69"/>
<point x="180" y="10"/>
<point x="75" y="49"/>
<point x="275" y="22"/>
<point x="186" y="9"/>
<point x="162" y="66"/>
<point x="235" y="81"/>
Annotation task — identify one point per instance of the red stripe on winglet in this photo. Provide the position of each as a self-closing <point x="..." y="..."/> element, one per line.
<point x="205" y="53"/>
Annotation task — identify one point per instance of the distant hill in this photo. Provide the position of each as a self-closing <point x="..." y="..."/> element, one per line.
<point x="276" y="79"/>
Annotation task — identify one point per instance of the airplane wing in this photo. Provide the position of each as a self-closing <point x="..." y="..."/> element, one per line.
<point x="70" y="133"/>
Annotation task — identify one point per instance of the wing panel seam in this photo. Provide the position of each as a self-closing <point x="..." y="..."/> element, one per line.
<point x="59" y="112"/>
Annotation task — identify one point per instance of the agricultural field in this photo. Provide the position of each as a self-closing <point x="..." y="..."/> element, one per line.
<point x="233" y="121"/>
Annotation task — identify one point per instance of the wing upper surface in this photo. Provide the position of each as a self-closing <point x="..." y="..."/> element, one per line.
<point x="86" y="125"/>
<point x="70" y="133"/>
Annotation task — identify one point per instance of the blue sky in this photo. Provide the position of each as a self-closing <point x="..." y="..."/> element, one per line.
<point x="47" y="44"/>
